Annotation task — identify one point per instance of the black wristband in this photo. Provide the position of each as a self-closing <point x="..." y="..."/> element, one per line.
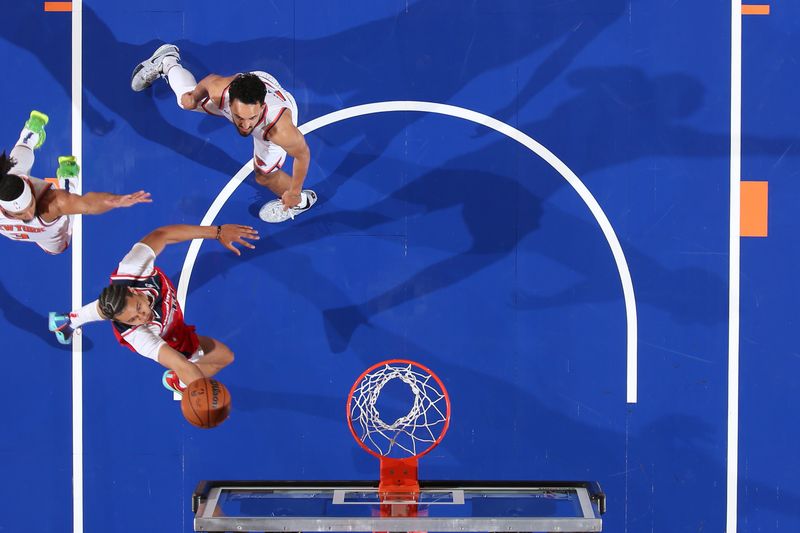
<point x="219" y="232"/>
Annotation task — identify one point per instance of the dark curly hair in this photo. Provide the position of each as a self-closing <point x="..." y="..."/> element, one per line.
<point x="112" y="300"/>
<point x="11" y="185"/>
<point x="248" y="89"/>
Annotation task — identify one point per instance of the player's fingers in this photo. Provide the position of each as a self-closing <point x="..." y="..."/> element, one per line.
<point x="249" y="233"/>
<point x="232" y="248"/>
<point x="243" y="242"/>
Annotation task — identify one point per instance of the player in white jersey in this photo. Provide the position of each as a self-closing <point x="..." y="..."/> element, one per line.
<point x="142" y="305"/>
<point x="31" y="210"/>
<point x="259" y="108"/>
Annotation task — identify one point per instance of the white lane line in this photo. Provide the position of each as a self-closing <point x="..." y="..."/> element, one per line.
<point x="77" y="270"/>
<point x="733" y="267"/>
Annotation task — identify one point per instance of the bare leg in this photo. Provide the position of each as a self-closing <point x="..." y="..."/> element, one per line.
<point x="277" y="181"/>
<point x="217" y="356"/>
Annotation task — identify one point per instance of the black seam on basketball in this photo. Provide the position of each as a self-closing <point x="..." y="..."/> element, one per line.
<point x="208" y="389"/>
<point x="191" y="405"/>
<point x="224" y="400"/>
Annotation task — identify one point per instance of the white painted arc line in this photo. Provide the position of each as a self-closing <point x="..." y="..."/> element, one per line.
<point x="501" y="127"/>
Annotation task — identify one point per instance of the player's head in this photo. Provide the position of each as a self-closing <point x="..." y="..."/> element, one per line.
<point x="121" y="303"/>
<point x="246" y="94"/>
<point x="16" y="197"/>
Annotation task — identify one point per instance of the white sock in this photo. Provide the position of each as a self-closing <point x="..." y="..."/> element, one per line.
<point x="23" y="155"/>
<point x="28" y="138"/>
<point x="180" y="80"/>
<point x="303" y="201"/>
<point x="87" y="313"/>
<point x="167" y="63"/>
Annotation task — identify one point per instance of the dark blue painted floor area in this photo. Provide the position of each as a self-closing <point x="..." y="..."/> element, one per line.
<point x="435" y="239"/>
<point x="770" y="358"/>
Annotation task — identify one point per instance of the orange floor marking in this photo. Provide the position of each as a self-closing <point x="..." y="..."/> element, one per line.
<point x="58" y="6"/>
<point x="753" y="222"/>
<point x="755" y="9"/>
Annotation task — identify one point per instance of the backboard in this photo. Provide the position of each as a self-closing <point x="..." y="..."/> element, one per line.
<point x="462" y="506"/>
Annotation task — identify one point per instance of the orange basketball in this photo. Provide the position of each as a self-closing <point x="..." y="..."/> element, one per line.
<point x="206" y="403"/>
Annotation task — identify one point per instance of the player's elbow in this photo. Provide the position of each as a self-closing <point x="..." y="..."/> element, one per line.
<point x="303" y="152"/>
<point x="159" y="234"/>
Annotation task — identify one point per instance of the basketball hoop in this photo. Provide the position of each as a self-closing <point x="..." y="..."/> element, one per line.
<point x="400" y="443"/>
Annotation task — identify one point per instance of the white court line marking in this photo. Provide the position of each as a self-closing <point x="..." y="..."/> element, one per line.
<point x="77" y="270"/>
<point x="733" y="269"/>
<point x="489" y="122"/>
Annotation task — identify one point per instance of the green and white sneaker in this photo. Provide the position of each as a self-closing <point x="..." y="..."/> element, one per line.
<point x="67" y="167"/>
<point x="35" y="124"/>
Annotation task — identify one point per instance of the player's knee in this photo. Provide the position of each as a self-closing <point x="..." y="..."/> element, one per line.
<point x="228" y="357"/>
<point x="263" y="179"/>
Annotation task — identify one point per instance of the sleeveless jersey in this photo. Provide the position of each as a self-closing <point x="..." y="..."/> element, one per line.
<point x="276" y="103"/>
<point x="137" y="271"/>
<point x="52" y="237"/>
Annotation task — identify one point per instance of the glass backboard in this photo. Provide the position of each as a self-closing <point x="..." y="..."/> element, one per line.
<point x="459" y="506"/>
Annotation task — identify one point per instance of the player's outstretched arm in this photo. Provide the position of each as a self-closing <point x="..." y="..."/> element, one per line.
<point x="291" y="139"/>
<point x="91" y="203"/>
<point x="209" y="87"/>
<point x="174" y="360"/>
<point x="226" y="234"/>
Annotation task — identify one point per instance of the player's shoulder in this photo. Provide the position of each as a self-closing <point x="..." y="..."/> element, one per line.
<point x="218" y="81"/>
<point x="216" y="85"/>
<point x="53" y="202"/>
<point x="281" y="124"/>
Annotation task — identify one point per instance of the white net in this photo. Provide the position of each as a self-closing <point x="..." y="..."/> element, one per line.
<point x="411" y="434"/>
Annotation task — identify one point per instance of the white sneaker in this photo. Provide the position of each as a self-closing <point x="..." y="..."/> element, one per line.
<point x="149" y="70"/>
<point x="274" y="212"/>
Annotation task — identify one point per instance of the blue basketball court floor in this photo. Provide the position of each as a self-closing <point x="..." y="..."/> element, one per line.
<point x="536" y="203"/>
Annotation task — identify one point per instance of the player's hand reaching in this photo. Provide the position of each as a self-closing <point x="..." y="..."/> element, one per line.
<point x="188" y="100"/>
<point x="290" y="198"/>
<point x="227" y="234"/>
<point x="127" y="200"/>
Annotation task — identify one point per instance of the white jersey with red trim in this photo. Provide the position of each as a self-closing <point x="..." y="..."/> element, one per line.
<point x="52" y="237"/>
<point x="276" y="101"/>
<point x="267" y="156"/>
